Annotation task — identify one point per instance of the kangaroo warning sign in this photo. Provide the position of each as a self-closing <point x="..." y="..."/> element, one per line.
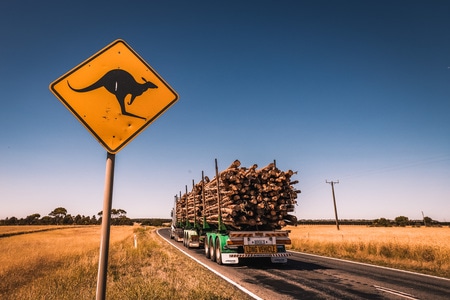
<point x="115" y="94"/>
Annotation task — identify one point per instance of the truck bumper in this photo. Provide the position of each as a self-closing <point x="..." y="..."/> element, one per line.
<point x="233" y="258"/>
<point x="284" y="254"/>
<point x="279" y="258"/>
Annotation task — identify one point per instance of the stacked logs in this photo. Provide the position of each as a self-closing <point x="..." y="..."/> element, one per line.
<point x="250" y="199"/>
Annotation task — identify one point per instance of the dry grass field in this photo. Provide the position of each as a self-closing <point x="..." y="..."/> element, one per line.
<point x="62" y="264"/>
<point x="420" y="249"/>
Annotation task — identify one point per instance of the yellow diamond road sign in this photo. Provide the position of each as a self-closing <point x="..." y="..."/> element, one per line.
<point x="115" y="94"/>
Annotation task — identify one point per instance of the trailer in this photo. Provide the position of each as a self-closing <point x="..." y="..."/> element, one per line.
<point x="223" y="240"/>
<point x="181" y="229"/>
<point x="226" y="246"/>
<point x="194" y="233"/>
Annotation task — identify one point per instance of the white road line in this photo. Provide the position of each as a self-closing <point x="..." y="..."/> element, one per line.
<point x="214" y="271"/>
<point x="395" y="292"/>
<point x="369" y="265"/>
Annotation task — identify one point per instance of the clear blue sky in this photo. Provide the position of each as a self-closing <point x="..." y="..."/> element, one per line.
<point x="355" y="91"/>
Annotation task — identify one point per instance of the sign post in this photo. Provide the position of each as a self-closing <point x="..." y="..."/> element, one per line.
<point x="115" y="94"/>
<point x="106" y="225"/>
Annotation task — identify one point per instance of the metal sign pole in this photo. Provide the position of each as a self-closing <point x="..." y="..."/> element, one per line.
<point x="106" y="225"/>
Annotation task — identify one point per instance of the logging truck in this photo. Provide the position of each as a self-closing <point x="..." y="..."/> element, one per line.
<point x="176" y="231"/>
<point x="239" y="214"/>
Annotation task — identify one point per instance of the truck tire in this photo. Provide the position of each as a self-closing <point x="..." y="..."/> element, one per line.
<point x="212" y="253"/>
<point x="218" y="252"/>
<point x="207" y="253"/>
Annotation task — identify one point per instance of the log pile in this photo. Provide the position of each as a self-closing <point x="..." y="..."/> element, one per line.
<point x="250" y="198"/>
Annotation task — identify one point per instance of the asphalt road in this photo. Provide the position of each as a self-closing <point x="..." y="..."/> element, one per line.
<point x="308" y="276"/>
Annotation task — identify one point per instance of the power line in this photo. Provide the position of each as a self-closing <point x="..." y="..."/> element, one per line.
<point x="397" y="167"/>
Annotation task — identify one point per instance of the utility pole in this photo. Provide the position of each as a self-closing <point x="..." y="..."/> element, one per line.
<point x="334" y="201"/>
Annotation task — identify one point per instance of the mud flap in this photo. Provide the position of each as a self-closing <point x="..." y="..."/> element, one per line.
<point x="228" y="260"/>
<point x="278" y="260"/>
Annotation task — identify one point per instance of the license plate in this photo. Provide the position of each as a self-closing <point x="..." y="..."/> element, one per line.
<point x="257" y="249"/>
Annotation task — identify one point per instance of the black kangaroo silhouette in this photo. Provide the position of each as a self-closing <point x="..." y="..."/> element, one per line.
<point x="120" y="83"/>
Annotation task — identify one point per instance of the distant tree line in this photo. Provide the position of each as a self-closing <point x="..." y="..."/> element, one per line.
<point x="400" y="221"/>
<point x="59" y="216"/>
<point x="153" y="222"/>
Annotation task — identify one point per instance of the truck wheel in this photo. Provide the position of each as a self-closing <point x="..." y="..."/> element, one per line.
<point x="212" y="253"/>
<point x="207" y="254"/>
<point x="218" y="252"/>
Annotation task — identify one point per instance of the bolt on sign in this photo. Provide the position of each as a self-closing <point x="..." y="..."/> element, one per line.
<point x="115" y="94"/>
